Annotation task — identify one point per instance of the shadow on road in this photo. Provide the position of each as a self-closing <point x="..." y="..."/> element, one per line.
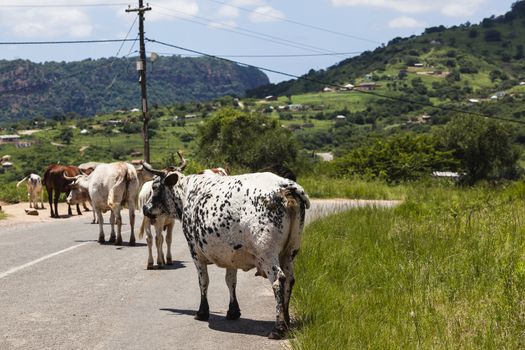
<point x="176" y="265"/>
<point x="242" y="326"/>
<point x="124" y="244"/>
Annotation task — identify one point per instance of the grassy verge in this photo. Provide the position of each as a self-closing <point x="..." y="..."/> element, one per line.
<point x="446" y="269"/>
<point x="322" y="187"/>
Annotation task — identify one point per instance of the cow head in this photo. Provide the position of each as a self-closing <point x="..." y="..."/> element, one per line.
<point x="165" y="199"/>
<point x="78" y="189"/>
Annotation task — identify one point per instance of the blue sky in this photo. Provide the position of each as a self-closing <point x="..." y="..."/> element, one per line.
<point x="231" y="27"/>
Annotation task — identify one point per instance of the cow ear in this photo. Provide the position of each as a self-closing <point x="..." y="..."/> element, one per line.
<point x="171" y="179"/>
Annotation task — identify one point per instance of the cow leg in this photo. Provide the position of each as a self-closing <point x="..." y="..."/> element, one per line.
<point x="112" y="223"/>
<point x="149" y="240"/>
<point x="55" y="203"/>
<point x="204" y="310"/>
<point x="50" y="199"/>
<point x="118" y="220"/>
<point x="288" y="270"/>
<point x="78" y="209"/>
<point x="41" y="195"/>
<point x="169" y="235"/>
<point x="85" y="206"/>
<point x="101" y="238"/>
<point x="233" y="309"/>
<point x="158" y="243"/>
<point x="131" y="208"/>
<point x="278" y="280"/>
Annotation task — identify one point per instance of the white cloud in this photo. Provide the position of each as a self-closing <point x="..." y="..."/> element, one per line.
<point x="247" y="3"/>
<point x="46" y="22"/>
<point x="452" y="8"/>
<point x="266" y="14"/>
<point x="228" y="12"/>
<point x="406" y="22"/>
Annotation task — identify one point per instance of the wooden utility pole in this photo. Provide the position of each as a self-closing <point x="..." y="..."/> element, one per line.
<point x="141" y="68"/>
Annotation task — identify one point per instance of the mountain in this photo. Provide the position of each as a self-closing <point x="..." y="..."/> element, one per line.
<point x="89" y="87"/>
<point x="488" y="55"/>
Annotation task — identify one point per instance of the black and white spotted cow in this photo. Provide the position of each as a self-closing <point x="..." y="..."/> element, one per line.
<point x="237" y="222"/>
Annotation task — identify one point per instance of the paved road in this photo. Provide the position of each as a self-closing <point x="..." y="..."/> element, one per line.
<point x="59" y="289"/>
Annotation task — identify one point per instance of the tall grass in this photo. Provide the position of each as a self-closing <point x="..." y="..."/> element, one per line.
<point x="324" y="187"/>
<point x="446" y="269"/>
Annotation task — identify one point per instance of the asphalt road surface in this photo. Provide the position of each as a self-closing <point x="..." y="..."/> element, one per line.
<point x="60" y="289"/>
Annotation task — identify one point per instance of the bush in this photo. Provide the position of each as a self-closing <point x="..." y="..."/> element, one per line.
<point x="239" y="139"/>
<point x="398" y="158"/>
<point x="484" y="148"/>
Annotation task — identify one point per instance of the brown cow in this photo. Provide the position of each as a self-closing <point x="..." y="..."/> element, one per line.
<point x="54" y="181"/>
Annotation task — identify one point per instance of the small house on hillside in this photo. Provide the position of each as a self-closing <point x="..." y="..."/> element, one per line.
<point x="9" y="138"/>
<point x="328" y="89"/>
<point x="270" y="98"/>
<point x="367" y="86"/>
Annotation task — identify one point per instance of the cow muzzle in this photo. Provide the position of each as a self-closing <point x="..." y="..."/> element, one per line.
<point x="147" y="211"/>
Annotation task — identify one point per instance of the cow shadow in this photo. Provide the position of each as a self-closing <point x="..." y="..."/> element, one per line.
<point x="174" y="266"/>
<point x="124" y="244"/>
<point x="219" y="323"/>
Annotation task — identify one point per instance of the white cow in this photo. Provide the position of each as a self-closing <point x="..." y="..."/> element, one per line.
<point x="110" y="186"/>
<point x="237" y="222"/>
<point x="34" y="190"/>
<point x="162" y="222"/>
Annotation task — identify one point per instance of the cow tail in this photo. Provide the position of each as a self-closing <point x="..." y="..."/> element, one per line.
<point x="21" y="181"/>
<point x="296" y="204"/>
<point x="111" y="196"/>
<point x="142" y="228"/>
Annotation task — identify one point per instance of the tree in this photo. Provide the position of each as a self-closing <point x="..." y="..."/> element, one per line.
<point x="483" y="147"/>
<point x="241" y="139"/>
<point x="66" y="135"/>
<point x="397" y="158"/>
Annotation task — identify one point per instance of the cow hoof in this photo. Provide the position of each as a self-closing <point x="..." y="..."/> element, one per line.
<point x="150" y="267"/>
<point x="101" y="240"/>
<point x="202" y="316"/>
<point x="118" y="242"/>
<point x="276" y="334"/>
<point x="112" y="239"/>
<point x="132" y="243"/>
<point x="233" y="314"/>
<point x="169" y="262"/>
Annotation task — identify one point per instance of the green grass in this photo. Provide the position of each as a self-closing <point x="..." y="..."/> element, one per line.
<point x="323" y="187"/>
<point x="446" y="269"/>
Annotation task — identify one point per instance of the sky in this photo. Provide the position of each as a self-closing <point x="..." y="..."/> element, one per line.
<point x="290" y="36"/>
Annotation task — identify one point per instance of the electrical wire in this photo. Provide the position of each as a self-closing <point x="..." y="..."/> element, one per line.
<point x="64" y="42"/>
<point x="306" y="25"/>
<point x="64" y="5"/>
<point x="245" y="32"/>
<point x="272" y="55"/>
<point x="371" y="93"/>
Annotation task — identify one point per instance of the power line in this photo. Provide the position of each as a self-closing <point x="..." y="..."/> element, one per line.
<point x="64" y="42"/>
<point x="245" y="32"/>
<point x="297" y="22"/>
<point x="395" y="98"/>
<point x="273" y="55"/>
<point x="64" y="5"/>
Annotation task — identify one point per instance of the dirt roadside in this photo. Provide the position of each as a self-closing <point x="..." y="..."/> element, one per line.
<point x="16" y="214"/>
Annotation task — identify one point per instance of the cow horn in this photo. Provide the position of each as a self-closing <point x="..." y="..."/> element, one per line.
<point x="183" y="162"/>
<point x="70" y="178"/>
<point x="154" y="171"/>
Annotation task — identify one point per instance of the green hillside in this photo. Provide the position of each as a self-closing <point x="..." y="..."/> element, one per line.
<point x="89" y="87"/>
<point x="451" y="62"/>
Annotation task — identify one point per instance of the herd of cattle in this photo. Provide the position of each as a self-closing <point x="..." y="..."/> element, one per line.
<point x="235" y="222"/>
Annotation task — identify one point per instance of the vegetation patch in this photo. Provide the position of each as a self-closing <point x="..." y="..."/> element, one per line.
<point x="446" y="269"/>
